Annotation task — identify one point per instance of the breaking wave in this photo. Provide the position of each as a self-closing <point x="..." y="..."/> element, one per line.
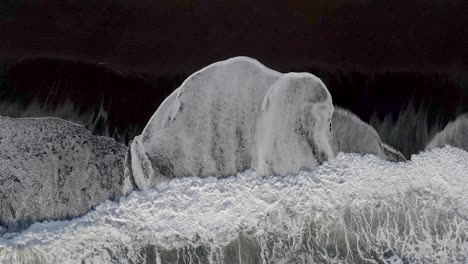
<point x="353" y="209"/>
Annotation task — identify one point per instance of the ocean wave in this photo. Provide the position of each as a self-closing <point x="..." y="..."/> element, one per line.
<point x="353" y="209"/>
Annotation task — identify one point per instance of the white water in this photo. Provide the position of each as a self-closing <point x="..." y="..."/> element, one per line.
<point x="354" y="209"/>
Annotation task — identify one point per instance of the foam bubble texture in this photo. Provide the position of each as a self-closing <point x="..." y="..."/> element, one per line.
<point x="354" y="209"/>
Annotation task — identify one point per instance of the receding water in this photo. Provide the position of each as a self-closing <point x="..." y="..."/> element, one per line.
<point x="353" y="209"/>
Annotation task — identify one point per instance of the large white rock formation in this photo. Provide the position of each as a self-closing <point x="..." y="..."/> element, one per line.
<point x="349" y="134"/>
<point x="206" y="127"/>
<point x="210" y="125"/>
<point x="53" y="169"/>
<point x="454" y="134"/>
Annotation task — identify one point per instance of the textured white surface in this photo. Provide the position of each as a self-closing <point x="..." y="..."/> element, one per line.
<point x="454" y="134"/>
<point x="53" y="169"/>
<point x="211" y="125"/>
<point x="206" y="127"/>
<point x="349" y="209"/>
<point x="292" y="131"/>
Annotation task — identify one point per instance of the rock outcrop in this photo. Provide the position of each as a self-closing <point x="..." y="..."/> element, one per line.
<point x="454" y="134"/>
<point x="52" y="169"/>
<point x="349" y="134"/>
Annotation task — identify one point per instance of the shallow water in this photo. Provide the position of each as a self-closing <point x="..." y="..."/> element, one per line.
<point x="354" y="209"/>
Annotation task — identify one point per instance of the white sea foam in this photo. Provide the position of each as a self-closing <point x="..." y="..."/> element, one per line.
<point x="352" y="209"/>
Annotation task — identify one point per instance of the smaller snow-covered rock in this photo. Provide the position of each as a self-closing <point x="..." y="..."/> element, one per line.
<point x="352" y="135"/>
<point x="52" y="169"/>
<point x="293" y="128"/>
<point x="454" y="134"/>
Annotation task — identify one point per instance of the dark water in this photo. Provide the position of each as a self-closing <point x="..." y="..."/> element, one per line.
<point x="406" y="107"/>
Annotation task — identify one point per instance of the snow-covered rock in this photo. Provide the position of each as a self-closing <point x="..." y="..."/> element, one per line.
<point x="206" y="127"/>
<point x="232" y="116"/>
<point x="352" y="135"/>
<point x="52" y="169"/>
<point x="454" y="134"/>
<point x="293" y="129"/>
